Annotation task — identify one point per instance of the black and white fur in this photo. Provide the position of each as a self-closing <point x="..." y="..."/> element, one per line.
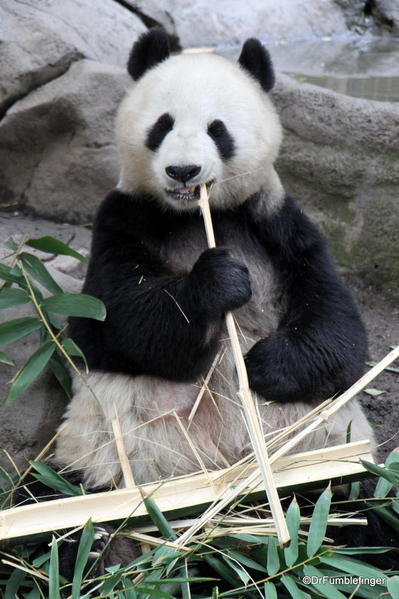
<point x="193" y="119"/>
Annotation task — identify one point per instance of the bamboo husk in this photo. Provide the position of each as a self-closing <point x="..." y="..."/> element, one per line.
<point x="194" y="491"/>
<point x="244" y="393"/>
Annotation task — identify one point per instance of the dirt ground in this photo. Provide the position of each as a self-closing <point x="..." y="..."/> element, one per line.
<point x="380" y="313"/>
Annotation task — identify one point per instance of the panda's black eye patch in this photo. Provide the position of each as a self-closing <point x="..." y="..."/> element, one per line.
<point x="217" y="130"/>
<point x="159" y="131"/>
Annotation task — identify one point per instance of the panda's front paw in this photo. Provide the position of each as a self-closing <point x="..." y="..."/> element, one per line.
<point x="95" y="565"/>
<point x="220" y="281"/>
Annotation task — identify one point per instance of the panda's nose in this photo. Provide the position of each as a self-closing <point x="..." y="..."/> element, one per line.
<point x="183" y="173"/>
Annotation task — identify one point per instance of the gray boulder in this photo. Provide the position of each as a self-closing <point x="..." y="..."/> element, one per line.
<point x="56" y="144"/>
<point x="205" y="22"/>
<point x="40" y="40"/>
<point x="339" y="159"/>
<point x="386" y="14"/>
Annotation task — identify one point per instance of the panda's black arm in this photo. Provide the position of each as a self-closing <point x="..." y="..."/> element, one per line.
<point x="320" y="345"/>
<point x="158" y="322"/>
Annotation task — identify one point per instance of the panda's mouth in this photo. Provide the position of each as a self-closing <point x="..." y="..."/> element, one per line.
<point x="188" y="193"/>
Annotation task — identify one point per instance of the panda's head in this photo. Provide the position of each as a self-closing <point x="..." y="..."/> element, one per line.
<point x="197" y="118"/>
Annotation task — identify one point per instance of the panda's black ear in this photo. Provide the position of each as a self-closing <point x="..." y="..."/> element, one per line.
<point x="151" y="48"/>
<point x="255" y="59"/>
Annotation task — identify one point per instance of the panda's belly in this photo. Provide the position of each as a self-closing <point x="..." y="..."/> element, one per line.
<point x="261" y="314"/>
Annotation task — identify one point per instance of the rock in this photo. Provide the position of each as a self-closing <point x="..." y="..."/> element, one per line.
<point x="339" y="159"/>
<point x="206" y="22"/>
<point x="386" y="14"/>
<point x="56" y="145"/>
<point x="40" y="40"/>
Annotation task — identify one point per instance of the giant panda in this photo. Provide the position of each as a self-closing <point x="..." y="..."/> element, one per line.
<point x="194" y="119"/>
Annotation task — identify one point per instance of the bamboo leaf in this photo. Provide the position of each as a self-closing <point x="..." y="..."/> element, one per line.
<point x="241" y="572"/>
<point x="352" y="566"/>
<point x="52" y="479"/>
<point x="393" y="587"/>
<point x="292" y="588"/>
<point x="5" y="359"/>
<point x="11" y="244"/>
<point x="325" y="588"/>
<point x="392" y="477"/>
<point x="384" y="486"/>
<point x="361" y="550"/>
<point x="157" y="593"/>
<point x="273" y="560"/>
<point x="30" y="370"/>
<point x="61" y="373"/>
<point x="54" y="574"/>
<point x="293" y="518"/>
<point x="76" y="304"/>
<point x="159" y="519"/>
<point x="246" y="561"/>
<point x="13" y="584"/>
<point x="12" y="275"/>
<point x="74" y="350"/>
<point x="270" y="591"/>
<point x="39" y="272"/>
<point x="224" y="571"/>
<point x="11" y="296"/>
<point x="54" y="246"/>
<point x="387" y="516"/>
<point x="318" y="525"/>
<point x="85" y="543"/>
<point x="16" y="329"/>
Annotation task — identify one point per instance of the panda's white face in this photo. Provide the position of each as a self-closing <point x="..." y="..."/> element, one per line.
<point x="193" y="119"/>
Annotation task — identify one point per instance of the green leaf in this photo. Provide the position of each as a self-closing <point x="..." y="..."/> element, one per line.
<point x="73" y="350"/>
<point x="354" y="492"/>
<point x="159" y="519"/>
<point x="30" y="370"/>
<point x="128" y="589"/>
<point x="293" y="518"/>
<point x="10" y="244"/>
<point x="241" y="572"/>
<point x="16" y="329"/>
<point x="389" y="518"/>
<point x="157" y="593"/>
<point x="352" y="566"/>
<point x="393" y="587"/>
<point x="292" y="588"/>
<point x="61" y="373"/>
<point x="270" y="591"/>
<point x="5" y="359"/>
<point x="381" y="471"/>
<point x="361" y="550"/>
<point x="111" y="581"/>
<point x="76" y="304"/>
<point x="11" y="296"/>
<point x="273" y="560"/>
<point x="325" y="588"/>
<point x="85" y="543"/>
<point x="384" y="486"/>
<point x="54" y="575"/>
<point x="52" y="479"/>
<point x="39" y="272"/>
<point x="13" y="584"/>
<point x="318" y="525"/>
<point x="245" y="560"/>
<point x="10" y="274"/>
<point x="54" y="246"/>
<point x="224" y="571"/>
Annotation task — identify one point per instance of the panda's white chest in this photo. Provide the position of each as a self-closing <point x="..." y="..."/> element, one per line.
<point x="261" y="314"/>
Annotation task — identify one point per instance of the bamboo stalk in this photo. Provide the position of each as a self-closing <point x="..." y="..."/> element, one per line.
<point x="306" y="468"/>
<point x="253" y="479"/>
<point x="244" y="393"/>
<point x="122" y="455"/>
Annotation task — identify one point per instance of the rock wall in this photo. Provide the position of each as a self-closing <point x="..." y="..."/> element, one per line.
<point x="340" y="160"/>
